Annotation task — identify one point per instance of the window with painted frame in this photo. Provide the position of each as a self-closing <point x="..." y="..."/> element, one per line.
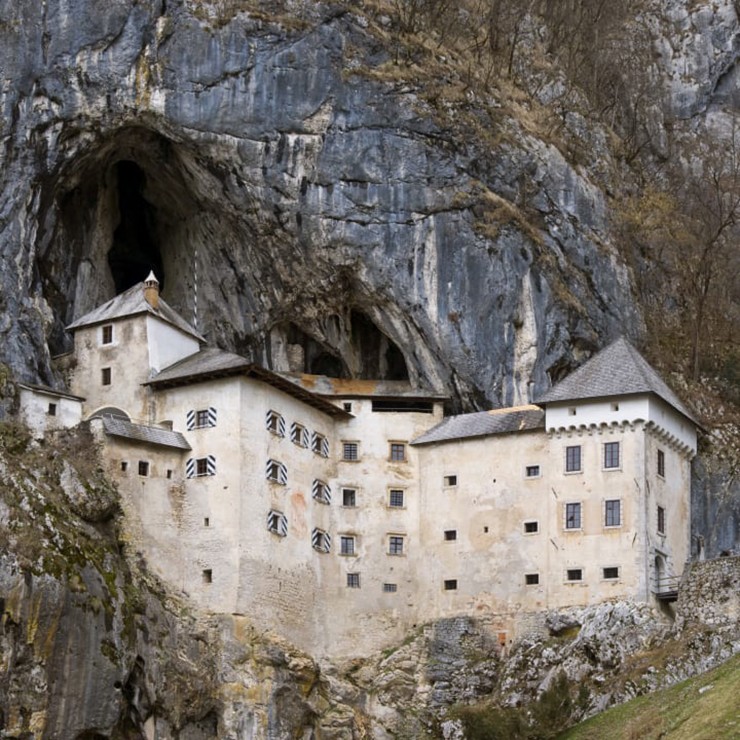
<point x="275" y="423"/>
<point x="277" y="523"/>
<point x="320" y="444"/>
<point x="321" y="492"/>
<point x="276" y="472"/>
<point x="299" y="435"/>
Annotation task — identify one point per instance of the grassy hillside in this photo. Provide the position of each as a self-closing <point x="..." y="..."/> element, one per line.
<point x="703" y="708"/>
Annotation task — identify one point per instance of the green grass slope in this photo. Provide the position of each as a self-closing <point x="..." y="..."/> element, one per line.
<point x="706" y="707"/>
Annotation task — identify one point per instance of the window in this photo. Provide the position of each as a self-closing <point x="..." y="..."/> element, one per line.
<point x="124" y="466"/>
<point x="275" y="423"/>
<point x="320" y="540"/>
<point x="198" y="467"/>
<point x="206" y="521"/>
<point x="610" y="573"/>
<point x="661" y="520"/>
<point x="450" y="480"/>
<point x="531" y="527"/>
<point x="451" y="585"/>
<point x="350" y="451"/>
<point x="346" y="545"/>
<point x="395" y="498"/>
<point x="611" y="455"/>
<point x="299" y="435"/>
<point x="613" y="513"/>
<point x="572" y="516"/>
<point x="169" y="474"/>
<point x="571" y="411"/>
<point x="107" y="334"/>
<point x="615" y="407"/>
<point x="200" y="418"/>
<point x="450" y="535"/>
<point x="532" y="471"/>
<point x="347" y="407"/>
<point x="349" y="497"/>
<point x="277" y="523"/>
<point x="52" y="410"/>
<point x="353" y="580"/>
<point x="390" y="588"/>
<point x="661" y="463"/>
<point x="574" y="574"/>
<point x="105" y="376"/>
<point x="207" y="576"/>
<point x="398" y="452"/>
<point x="321" y="492"/>
<point x="573" y="459"/>
<point x="395" y="545"/>
<point x="531" y="579"/>
<point x="143" y="467"/>
<point x="320" y="445"/>
<point x="276" y="472"/>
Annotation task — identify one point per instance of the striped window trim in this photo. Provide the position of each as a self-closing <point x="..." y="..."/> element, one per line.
<point x="277" y="523"/>
<point x="192" y="464"/>
<point x="275" y="423"/>
<point x="276" y="472"/>
<point x="192" y="416"/>
<point x="321" y="492"/>
<point x="320" y="444"/>
<point x="299" y="435"/>
<point x="320" y="540"/>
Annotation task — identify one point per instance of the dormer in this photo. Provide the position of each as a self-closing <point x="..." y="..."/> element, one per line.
<point x="617" y="386"/>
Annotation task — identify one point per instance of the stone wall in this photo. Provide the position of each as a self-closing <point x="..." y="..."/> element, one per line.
<point x="710" y="593"/>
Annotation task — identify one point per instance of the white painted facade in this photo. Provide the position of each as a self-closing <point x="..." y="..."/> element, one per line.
<point x="44" y="409"/>
<point x="494" y="526"/>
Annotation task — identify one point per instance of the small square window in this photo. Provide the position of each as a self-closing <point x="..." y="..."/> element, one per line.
<point x="613" y="513"/>
<point x="347" y="407"/>
<point x="615" y="407"/>
<point x="450" y="535"/>
<point x="105" y="376"/>
<point x="390" y="588"/>
<point x="143" y="467"/>
<point x="661" y="463"/>
<point x="52" y="410"/>
<point x="398" y="452"/>
<point x="207" y="576"/>
<point x="573" y="459"/>
<point x="107" y="334"/>
<point x="201" y="418"/>
<point x="169" y="475"/>
<point x="532" y="471"/>
<point x="485" y="530"/>
<point x="531" y="579"/>
<point x="124" y="466"/>
<point x="574" y="574"/>
<point x="450" y="480"/>
<point x="611" y="455"/>
<point x="661" y="520"/>
<point x="571" y="411"/>
<point x="610" y="573"/>
<point x="572" y="516"/>
<point x="349" y="497"/>
<point x="353" y="580"/>
<point x="201" y="466"/>
<point x="347" y="545"/>
<point x="395" y="545"/>
<point x="451" y="584"/>
<point x="395" y="498"/>
<point x="350" y="451"/>
<point x="531" y="527"/>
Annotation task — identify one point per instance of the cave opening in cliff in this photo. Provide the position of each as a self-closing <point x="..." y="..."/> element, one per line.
<point x="134" y="251"/>
<point x="379" y="356"/>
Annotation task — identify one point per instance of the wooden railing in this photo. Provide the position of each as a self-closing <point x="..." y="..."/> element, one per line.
<point x="666" y="587"/>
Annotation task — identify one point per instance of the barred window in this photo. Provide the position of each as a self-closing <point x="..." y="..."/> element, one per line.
<point x="353" y="580"/>
<point x="395" y="498"/>
<point x="395" y="545"/>
<point x="661" y="463"/>
<point x="390" y="588"/>
<point x="398" y="452"/>
<point x="350" y="451"/>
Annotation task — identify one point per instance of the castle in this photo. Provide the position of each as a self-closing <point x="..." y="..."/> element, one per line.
<point x="342" y="513"/>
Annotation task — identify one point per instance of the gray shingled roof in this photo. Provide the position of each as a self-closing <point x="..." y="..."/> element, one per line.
<point x="617" y="370"/>
<point x="117" y="427"/>
<point x="208" y="361"/>
<point x="131" y="303"/>
<point x="485" y="423"/>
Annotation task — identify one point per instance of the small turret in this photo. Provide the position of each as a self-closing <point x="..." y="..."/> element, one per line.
<point x="151" y="290"/>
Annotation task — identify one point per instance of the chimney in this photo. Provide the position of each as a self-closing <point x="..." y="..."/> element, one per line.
<point x="151" y="290"/>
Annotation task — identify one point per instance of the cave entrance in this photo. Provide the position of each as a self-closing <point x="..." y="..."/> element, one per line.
<point x="135" y="250"/>
<point x="379" y="356"/>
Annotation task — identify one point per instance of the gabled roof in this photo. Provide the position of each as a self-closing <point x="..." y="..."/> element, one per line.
<point x="617" y="370"/>
<point x="118" y="427"/>
<point x="211" y="363"/>
<point x="485" y="423"/>
<point x="132" y="303"/>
